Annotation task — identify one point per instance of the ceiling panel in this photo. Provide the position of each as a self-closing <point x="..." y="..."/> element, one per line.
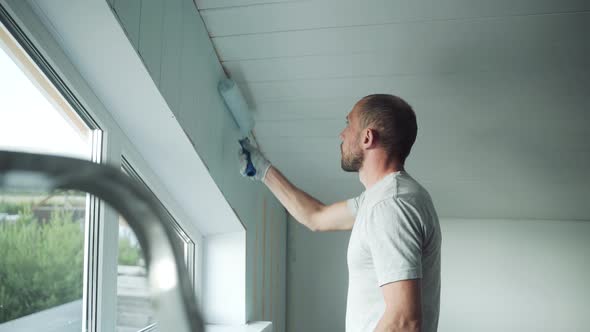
<point x="301" y="109"/>
<point x="418" y="60"/>
<point x="307" y="15"/>
<point x="218" y="4"/>
<point x="515" y="96"/>
<point x="416" y="87"/>
<point x="515" y="31"/>
<point x="501" y="90"/>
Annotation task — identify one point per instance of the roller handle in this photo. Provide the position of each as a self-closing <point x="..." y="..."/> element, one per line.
<point x="250" y="170"/>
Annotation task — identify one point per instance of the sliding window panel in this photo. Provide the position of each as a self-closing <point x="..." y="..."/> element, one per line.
<point x="134" y="308"/>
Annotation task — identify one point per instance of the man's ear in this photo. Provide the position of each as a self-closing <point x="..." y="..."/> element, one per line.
<point x="369" y="139"/>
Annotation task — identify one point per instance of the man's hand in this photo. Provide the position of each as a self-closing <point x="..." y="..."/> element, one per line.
<point x="261" y="164"/>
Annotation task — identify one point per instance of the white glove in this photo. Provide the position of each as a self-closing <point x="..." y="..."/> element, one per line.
<point x="261" y="164"/>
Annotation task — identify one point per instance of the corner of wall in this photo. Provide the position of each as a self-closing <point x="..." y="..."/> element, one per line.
<point x="224" y="285"/>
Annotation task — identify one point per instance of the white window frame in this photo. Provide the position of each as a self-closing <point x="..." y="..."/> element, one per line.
<point x="188" y="244"/>
<point x="44" y="75"/>
<point x="101" y="278"/>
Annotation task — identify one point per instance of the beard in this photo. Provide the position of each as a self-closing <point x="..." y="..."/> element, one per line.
<point x="351" y="162"/>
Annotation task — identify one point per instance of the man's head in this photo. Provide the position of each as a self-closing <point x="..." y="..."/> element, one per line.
<point x="378" y="121"/>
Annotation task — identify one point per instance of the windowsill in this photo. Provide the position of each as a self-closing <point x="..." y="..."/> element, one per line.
<point x="250" y="327"/>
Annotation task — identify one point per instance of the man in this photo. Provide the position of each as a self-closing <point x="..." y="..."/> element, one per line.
<point x="394" y="248"/>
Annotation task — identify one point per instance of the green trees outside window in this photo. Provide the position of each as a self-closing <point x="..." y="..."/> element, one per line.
<point x="41" y="263"/>
<point x="41" y="259"/>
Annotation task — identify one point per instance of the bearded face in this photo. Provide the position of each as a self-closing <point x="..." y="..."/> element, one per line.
<point x="352" y="155"/>
<point x="350" y="148"/>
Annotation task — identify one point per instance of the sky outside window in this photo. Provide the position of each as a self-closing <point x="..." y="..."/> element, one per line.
<point x="41" y="233"/>
<point x="28" y="120"/>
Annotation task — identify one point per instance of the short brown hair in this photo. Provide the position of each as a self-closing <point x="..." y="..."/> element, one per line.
<point x="394" y="121"/>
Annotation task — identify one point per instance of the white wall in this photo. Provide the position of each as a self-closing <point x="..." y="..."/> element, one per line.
<point x="515" y="275"/>
<point x="224" y="278"/>
<point x="497" y="275"/>
<point x="317" y="279"/>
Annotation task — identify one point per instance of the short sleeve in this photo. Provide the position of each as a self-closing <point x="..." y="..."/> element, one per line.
<point x="395" y="240"/>
<point x="354" y="203"/>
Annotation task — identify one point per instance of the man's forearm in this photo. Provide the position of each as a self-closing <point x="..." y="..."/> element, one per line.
<point x="299" y="204"/>
<point x="392" y="324"/>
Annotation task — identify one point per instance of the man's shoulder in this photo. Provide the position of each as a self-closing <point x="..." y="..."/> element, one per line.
<point x="407" y="186"/>
<point x="403" y="190"/>
<point x="388" y="204"/>
<point x="404" y="195"/>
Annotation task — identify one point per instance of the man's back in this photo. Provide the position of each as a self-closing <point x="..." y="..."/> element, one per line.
<point x="396" y="236"/>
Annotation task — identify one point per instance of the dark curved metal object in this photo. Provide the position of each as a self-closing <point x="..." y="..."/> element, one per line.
<point x="170" y="287"/>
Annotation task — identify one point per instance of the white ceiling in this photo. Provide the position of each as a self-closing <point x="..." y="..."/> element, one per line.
<point x="501" y="91"/>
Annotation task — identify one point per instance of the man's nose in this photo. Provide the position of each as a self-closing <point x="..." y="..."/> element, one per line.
<point x="342" y="135"/>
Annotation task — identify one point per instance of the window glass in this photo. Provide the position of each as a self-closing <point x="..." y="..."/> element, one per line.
<point x="134" y="310"/>
<point x="41" y="234"/>
<point x="33" y="116"/>
<point x="42" y="260"/>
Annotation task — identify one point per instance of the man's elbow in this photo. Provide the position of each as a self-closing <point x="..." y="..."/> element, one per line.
<point x="314" y="227"/>
<point x="399" y="324"/>
<point x="309" y="223"/>
<point x="408" y="325"/>
<point x="314" y="221"/>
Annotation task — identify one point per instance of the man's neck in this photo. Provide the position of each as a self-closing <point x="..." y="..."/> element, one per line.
<point x="376" y="169"/>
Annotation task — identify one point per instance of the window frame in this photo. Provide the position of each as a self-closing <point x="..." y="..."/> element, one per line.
<point x="44" y="74"/>
<point x="189" y="246"/>
<point x="99" y="312"/>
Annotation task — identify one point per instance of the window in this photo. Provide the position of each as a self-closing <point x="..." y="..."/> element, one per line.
<point x="49" y="118"/>
<point x="134" y="310"/>
<point x="35" y="118"/>
<point x="42" y="235"/>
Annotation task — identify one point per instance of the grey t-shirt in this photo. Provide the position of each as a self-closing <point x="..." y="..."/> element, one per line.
<point x="396" y="236"/>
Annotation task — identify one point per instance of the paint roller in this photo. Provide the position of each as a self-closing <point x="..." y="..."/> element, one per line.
<point x="235" y="102"/>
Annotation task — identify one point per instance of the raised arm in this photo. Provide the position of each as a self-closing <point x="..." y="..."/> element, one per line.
<point x="307" y="210"/>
